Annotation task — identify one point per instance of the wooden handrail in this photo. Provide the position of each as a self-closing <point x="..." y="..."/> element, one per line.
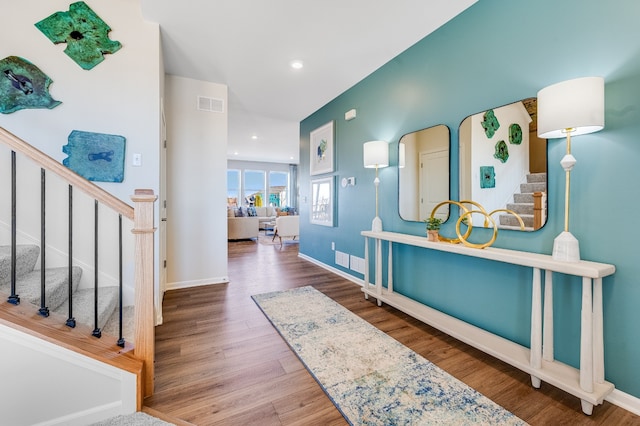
<point x="48" y="163"/>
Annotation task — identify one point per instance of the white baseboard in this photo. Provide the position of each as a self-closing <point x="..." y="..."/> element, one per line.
<point x="196" y="283"/>
<point x="343" y="274"/>
<point x="624" y="400"/>
<point x="617" y="397"/>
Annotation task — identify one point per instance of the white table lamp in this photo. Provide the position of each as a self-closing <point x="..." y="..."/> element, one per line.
<point x="376" y="155"/>
<point x="570" y="108"/>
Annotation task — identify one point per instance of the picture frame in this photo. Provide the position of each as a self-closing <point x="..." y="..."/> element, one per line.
<point x="322" y="201"/>
<point x="321" y="150"/>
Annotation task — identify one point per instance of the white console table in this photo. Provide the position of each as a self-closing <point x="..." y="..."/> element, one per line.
<point x="587" y="383"/>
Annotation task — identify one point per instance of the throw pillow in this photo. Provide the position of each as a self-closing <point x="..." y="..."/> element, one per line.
<point x="252" y="211"/>
<point x="239" y="212"/>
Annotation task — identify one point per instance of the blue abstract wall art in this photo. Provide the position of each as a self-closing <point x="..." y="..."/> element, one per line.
<point x="86" y="35"/>
<point x="23" y="85"/>
<point x="95" y="156"/>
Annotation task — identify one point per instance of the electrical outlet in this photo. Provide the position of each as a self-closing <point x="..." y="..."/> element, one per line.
<point x="137" y="160"/>
<point x="333" y="245"/>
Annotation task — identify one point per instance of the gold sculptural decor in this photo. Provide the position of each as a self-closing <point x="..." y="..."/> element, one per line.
<point x="466" y="218"/>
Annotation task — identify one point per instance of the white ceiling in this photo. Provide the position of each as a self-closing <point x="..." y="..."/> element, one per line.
<point x="249" y="44"/>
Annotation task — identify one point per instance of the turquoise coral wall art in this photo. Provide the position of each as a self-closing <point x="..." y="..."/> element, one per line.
<point x="487" y="177"/>
<point x="490" y="123"/>
<point x="86" y="35"/>
<point x="95" y="156"/>
<point x="23" y="85"/>
<point x="515" y="134"/>
<point x="502" y="151"/>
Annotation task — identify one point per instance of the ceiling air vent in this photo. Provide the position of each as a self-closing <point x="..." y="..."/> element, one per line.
<point x="210" y="104"/>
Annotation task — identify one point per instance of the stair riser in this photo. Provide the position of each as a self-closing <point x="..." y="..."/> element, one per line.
<point x="26" y="257"/>
<point x="521" y="208"/>
<point x="509" y="220"/>
<point x="537" y="177"/>
<point x="533" y="187"/>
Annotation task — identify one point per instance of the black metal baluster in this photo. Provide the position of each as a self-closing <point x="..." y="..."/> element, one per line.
<point x="96" y="331"/>
<point x="120" y="339"/>
<point x="13" y="297"/>
<point x="71" y="321"/>
<point x="44" y="310"/>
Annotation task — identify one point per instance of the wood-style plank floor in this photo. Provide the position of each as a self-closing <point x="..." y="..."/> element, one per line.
<point x="220" y="362"/>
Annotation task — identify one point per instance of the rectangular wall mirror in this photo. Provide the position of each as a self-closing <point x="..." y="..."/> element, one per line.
<point x="503" y="164"/>
<point x="423" y="173"/>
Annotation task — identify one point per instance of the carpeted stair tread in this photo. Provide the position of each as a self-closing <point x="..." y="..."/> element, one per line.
<point x="26" y="257"/>
<point x="57" y="285"/>
<point x="83" y="305"/>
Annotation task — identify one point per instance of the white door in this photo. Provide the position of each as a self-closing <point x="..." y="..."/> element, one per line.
<point x="434" y="189"/>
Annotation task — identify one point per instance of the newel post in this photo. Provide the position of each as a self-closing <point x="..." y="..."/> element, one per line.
<point x="144" y="334"/>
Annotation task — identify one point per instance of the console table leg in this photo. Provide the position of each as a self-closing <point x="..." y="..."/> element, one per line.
<point x="390" y="269"/>
<point x="547" y="336"/>
<point x="366" y="267"/>
<point x="536" y="322"/>
<point x="587" y="407"/>
<point x="378" y="277"/>
<point x="586" y="338"/>
<point x="598" y="333"/>
<point x="535" y="382"/>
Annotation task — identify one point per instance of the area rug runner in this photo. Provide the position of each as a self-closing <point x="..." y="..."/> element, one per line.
<point x="372" y="378"/>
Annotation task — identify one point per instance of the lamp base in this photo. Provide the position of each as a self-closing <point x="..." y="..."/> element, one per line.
<point x="376" y="225"/>
<point x="566" y="248"/>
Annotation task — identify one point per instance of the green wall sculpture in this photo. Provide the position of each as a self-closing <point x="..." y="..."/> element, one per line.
<point x="86" y="35"/>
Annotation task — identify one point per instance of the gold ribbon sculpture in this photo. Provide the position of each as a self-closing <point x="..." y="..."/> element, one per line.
<point x="466" y="218"/>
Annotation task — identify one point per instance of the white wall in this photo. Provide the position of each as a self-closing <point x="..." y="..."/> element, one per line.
<point x="197" y="185"/>
<point x="55" y="386"/>
<point x="118" y="96"/>
<point x="508" y="175"/>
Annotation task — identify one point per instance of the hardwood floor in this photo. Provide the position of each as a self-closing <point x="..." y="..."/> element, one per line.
<point x="220" y="362"/>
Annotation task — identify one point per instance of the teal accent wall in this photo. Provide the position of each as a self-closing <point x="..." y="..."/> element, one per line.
<point x="494" y="53"/>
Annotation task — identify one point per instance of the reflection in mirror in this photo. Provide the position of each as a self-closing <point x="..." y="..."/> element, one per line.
<point x="503" y="164"/>
<point x="423" y="173"/>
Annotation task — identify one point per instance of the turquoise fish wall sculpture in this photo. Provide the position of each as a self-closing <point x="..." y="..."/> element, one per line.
<point x="23" y="85"/>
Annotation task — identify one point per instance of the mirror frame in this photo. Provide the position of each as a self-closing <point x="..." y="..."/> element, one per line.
<point x="434" y="146"/>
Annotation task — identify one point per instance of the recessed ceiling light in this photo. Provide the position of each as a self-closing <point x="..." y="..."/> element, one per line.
<point x="296" y="65"/>
<point x="254" y="137"/>
<point x="235" y="153"/>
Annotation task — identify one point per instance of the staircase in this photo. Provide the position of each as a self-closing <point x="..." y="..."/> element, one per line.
<point x="523" y="202"/>
<point x="21" y="164"/>
<point x="28" y="287"/>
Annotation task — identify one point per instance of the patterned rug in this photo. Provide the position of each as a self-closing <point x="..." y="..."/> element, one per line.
<point x="372" y="378"/>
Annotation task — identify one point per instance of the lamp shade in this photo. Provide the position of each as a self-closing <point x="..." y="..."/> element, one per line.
<point x="376" y="154"/>
<point x="576" y="104"/>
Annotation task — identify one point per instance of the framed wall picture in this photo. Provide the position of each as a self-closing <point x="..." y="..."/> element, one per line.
<point x="322" y="205"/>
<point x="321" y="150"/>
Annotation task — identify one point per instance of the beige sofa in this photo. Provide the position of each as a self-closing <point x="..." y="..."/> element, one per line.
<point x="265" y="214"/>
<point x="242" y="228"/>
